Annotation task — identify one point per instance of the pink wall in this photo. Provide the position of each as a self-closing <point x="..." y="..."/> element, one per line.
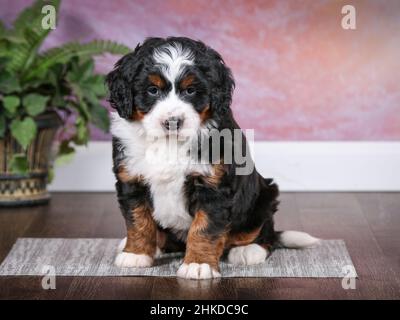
<point x="299" y="75"/>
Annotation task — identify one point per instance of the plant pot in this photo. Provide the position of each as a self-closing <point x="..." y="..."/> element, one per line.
<point x="30" y="188"/>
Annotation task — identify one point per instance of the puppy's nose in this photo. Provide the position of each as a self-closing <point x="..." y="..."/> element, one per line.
<point x="173" y="123"/>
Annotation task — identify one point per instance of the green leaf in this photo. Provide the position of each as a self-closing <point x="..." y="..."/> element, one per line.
<point x="56" y="79"/>
<point x="2" y="126"/>
<point x="12" y="37"/>
<point x="23" y="131"/>
<point x="50" y="175"/>
<point x="3" y="60"/>
<point x="86" y="70"/>
<point x="97" y="85"/>
<point x="35" y="103"/>
<point x="80" y="105"/>
<point x="33" y="12"/>
<point x="82" y="132"/>
<point x="100" y="116"/>
<point x="65" y="148"/>
<point x="19" y="164"/>
<point x="64" y="159"/>
<point x="11" y="104"/>
<point x="29" y="26"/>
<point x="65" y="153"/>
<point x="69" y="50"/>
<point x="8" y="83"/>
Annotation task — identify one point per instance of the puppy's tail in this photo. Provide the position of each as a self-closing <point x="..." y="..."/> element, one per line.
<point x="295" y="240"/>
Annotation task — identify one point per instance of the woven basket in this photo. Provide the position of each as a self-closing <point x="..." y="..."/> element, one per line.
<point x="30" y="188"/>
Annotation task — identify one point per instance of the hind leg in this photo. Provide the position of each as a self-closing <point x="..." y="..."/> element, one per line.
<point x="247" y="255"/>
<point x="252" y="247"/>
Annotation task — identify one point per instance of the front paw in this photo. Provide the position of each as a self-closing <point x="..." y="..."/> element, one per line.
<point x="197" y="271"/>
<point x="122" y="244"/>
<point x="133" y="260"/>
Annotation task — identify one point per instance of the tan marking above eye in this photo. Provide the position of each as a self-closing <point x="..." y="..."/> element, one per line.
<point x="156" y="80"/>
<point x="186" y="82"/>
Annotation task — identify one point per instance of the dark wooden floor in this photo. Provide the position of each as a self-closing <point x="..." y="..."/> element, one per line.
<point x="368" y="222"/>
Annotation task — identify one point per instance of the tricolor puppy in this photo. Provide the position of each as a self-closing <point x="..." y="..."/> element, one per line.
<point x="174" y="191"/>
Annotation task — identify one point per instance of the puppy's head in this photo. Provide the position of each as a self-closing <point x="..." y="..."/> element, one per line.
<point x="172" y="86"/>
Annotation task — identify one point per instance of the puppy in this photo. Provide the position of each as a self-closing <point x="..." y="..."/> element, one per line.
<point x="174" y="191"/>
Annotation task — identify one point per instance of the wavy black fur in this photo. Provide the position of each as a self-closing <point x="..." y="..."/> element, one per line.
<point x="240" y="203"/>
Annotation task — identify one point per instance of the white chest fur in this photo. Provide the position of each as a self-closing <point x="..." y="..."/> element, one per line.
<point x="164" y="167"/>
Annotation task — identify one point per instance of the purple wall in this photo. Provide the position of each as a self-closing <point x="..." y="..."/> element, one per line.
<point x="299" y="75"/>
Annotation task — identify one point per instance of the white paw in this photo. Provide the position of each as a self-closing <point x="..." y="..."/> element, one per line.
<point x="297" y="239"/>
<point x="197" y="271"/>
<point x="122" y="245"/>
<point x="247" y="255"/>
<point x="132" y="260"/>
<point x="158" y="253"/>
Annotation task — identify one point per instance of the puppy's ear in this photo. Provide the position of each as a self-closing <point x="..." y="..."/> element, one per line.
<point x="120" y="84"/>
<point x="222" y="84"/>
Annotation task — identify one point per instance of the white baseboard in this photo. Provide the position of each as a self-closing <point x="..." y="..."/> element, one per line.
<point x="296" y="166"/>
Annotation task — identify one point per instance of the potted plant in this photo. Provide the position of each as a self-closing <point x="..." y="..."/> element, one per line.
<point x="44" y="93"/>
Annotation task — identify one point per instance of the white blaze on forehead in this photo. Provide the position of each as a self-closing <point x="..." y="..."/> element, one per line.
<point x="171" y="59"/>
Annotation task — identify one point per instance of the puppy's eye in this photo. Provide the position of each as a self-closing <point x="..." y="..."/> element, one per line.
<point x="153" y="91"/>
<point x="189" y="91"/>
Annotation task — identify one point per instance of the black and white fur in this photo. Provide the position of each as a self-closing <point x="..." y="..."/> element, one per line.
<point x="175" y="190"/>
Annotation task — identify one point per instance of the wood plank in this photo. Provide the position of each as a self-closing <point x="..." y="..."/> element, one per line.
<point x="368" y="222"/>
<point x="339" y="216"/>
<point x="382" y="211"/>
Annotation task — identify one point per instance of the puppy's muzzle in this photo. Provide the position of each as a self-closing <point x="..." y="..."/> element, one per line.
<point x="173" y="123"/>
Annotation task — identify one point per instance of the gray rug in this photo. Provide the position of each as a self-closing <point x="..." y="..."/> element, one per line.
<point x="94" y="257"/>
